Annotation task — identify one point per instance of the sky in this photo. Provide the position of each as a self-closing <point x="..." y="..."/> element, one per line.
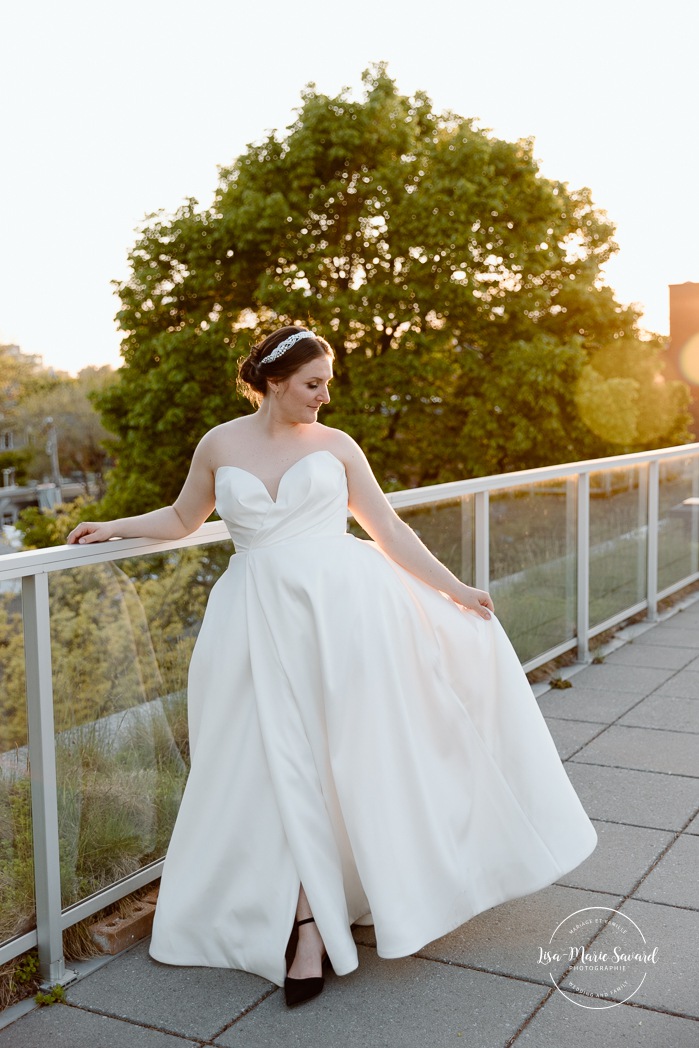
<point x="110" y="112"/>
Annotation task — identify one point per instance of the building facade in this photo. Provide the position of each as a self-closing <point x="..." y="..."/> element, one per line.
<point x="684" y="341"/>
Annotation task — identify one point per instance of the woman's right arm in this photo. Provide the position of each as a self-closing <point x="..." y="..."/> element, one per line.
<point x="189" y="510"/>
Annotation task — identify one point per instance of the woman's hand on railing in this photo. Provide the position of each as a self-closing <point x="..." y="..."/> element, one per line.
<point x="163" y="525"/>
<point x="90" y="531"/>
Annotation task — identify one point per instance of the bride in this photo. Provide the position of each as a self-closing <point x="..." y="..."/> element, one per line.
<point x="365" y="747"/>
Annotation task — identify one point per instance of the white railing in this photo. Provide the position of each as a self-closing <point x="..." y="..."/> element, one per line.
<point x="656" y="480"/>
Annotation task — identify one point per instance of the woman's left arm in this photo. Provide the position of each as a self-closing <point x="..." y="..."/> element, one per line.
<point x="373" y="512"/>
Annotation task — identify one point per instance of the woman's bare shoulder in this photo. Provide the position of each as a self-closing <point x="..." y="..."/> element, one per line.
<point x="216" y="444"/>
<point x="339" y="442"/>
<point x="226" y="430"/>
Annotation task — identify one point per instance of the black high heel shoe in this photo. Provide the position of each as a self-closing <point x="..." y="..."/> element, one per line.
<point x="298" y="991"/>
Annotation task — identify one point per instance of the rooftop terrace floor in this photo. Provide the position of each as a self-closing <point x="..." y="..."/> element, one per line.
<point x="628" y="731"/>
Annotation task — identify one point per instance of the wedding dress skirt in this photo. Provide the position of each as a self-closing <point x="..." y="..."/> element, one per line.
<point x="352" y="730"/>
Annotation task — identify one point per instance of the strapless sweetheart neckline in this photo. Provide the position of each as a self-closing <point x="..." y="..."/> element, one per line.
<point x="273" y="498"/>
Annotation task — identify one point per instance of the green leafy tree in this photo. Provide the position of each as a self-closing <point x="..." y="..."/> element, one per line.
<point x="40" y="528"/>
<point x="18" y="373"/>
<point x="20" y="376"/>
<point x="83" y="442"/>
<point x="461" y="290"/>
<point x="623" y="397"/>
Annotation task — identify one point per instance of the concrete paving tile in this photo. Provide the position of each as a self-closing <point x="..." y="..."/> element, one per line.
<point x="587" y="704"/>
<point x="622" y="856"/>
<point x="674" y="880"/>
<point x="65" y="1027"/>
<point x="671" y="983"/>
<point x="681" y="620"/>
<point x="693" y="826"/>
<point x="190" y="1001"/>
<point x="664" y="711"/>
<point x="683" y="685"/>
<point x="652" y="656"/>
<point x="645" y="749"/>
<point x="402" y="1003"/>
<point x="639" y="680"/>
<point x="507" y="938"/>
<point x="693" y="666"/>
<point x="364" y="935"/>
<point x="662" y="802"/>
<point x="570" y="735"/>
<point x="569" y="1021"/>
<point x="669" y="638"/>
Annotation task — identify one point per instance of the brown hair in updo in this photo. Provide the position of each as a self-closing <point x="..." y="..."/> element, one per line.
<point x="253" y="375"/>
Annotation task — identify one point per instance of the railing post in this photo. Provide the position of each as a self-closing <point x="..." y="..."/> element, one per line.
<point x="653" y="519"/>
<point x="571" y="581"/>
<point x="482" y="533"/>
<point x="467" y="540"/>
<point x="42" y="764"/>
<point x="641" y="551"/>
<point x="583" y="548"/>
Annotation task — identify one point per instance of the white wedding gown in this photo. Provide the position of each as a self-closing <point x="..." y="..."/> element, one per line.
<point x="355" y="731"/>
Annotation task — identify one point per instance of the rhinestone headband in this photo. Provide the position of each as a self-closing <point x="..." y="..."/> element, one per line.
<point x="281" y="349"/>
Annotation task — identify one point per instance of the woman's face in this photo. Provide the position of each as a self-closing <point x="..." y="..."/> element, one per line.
<point x="299" y="398"/>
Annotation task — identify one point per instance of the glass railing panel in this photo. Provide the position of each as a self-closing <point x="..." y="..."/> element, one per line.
<point x="533" y="564"/>
<point x="446" y="528"/>
<point x="122" y="634"/>
<point x="678" y="520"/>
<point x="17" y="910"/>
<point x="618" y="540"/>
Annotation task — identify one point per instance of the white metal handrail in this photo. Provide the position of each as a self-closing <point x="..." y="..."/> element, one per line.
<point x="34" y="566"/>
<point x="55" y="558"/>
